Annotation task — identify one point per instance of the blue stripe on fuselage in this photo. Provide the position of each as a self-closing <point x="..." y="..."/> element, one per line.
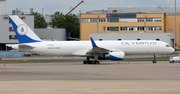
<point x="111" y="57"/>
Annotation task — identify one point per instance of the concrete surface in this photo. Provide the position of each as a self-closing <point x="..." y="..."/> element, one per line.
<point x="76" y="78"/>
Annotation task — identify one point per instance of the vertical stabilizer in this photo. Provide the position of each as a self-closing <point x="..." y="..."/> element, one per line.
<point x="23" y="32"/>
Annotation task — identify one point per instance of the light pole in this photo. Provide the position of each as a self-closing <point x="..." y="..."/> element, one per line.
<point x="175" y="25"/>
<point x="42" y="11"/>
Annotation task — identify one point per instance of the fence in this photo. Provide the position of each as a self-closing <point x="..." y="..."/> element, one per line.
<point x="11" y="54"/>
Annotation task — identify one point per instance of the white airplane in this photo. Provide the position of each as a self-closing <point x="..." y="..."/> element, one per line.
<point x="95" y="50"/>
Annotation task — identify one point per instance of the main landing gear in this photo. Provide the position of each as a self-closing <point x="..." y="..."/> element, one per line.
<point x="154" y="61"/>
<point x="91" y="62"/>
<point x="88" y="61"/>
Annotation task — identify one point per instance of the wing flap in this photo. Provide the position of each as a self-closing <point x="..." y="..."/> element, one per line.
<point x="98" y="50"/>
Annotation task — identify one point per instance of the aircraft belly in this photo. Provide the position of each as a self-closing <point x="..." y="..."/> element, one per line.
<point x="53" y="52"/>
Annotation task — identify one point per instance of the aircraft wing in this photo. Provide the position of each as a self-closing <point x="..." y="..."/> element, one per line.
<point x="94" y="50"/>
<point x="97" y="50"/>
<point x="100" y="50"/>
<point x="90" y="51"/>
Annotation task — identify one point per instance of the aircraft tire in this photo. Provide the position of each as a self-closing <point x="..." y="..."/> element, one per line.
<point x="96" y="62"/>
<point x="154" y="61"/>
<point x="85" y="62"/>
<point x="91" y="62"/>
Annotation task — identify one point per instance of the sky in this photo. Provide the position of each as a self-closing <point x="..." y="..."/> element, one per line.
<point x="51" y="6"/>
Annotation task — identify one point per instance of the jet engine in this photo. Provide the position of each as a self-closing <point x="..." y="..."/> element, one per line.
<point x="116" y="56"/>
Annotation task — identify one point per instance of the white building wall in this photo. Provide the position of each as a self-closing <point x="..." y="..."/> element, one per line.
<point x="2" y="7"/>
<point x="47" y="34"/>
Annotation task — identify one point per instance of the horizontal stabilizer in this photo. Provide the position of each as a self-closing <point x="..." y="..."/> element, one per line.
<point x="25" y="47"/>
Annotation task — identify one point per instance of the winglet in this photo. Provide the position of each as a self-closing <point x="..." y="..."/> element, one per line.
<point x="52" y="39"/>
<point x="93" y="43"/>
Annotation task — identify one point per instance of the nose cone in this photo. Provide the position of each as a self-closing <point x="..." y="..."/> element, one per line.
<point x="171" y="50"/>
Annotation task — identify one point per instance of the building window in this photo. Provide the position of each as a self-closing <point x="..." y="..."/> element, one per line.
<point x="157" y="19"/>
<point x="149" y="19"/>
<point x="11" y="29"/>
<point x="131" y="29"/>
<point x="93" y="20"/>
<point x="128" y="20"/>
<point x="123" y="28"/>
<point x="140" y="20"/>
<point x="157" y="28"/>
<point x="140" y="28"/>
<point x="112" y="28"/>
<point x="5" y="18"/>
<point x="113" y="19"/>
<point x="101" y="20"/>
<point x="138" y="39"/>
<point x="12" y="37"/>
<point x="100" y="39"/>
<point x="104" y="28"/>
<point x="85" y="20"/>
<point x="119" y="39"/>
<point x="149" y="28"/>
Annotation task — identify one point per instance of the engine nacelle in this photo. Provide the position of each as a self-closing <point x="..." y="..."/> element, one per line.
<point x="116" y="56"/>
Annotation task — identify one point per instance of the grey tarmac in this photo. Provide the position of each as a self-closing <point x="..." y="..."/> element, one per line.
<point x="134" y="77"/>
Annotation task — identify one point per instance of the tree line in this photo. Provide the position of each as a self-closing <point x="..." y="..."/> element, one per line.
<point x="59" y="20"/>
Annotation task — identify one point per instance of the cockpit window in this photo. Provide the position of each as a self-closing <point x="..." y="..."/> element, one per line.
<point x="167" y="45"/>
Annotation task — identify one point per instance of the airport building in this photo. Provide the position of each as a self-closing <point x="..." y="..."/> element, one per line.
<point x="129" y="23"/>
<point x="8" y="36"/>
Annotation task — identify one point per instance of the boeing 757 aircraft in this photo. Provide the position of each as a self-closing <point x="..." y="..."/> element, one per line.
<point x="93" y="50"/>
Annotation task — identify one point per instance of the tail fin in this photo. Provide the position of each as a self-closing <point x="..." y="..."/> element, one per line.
<point x="23" y="32"/>
<point x="52" y="39"/>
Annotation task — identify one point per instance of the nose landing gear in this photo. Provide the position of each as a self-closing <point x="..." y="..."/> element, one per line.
<point x="154" y="61"/>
